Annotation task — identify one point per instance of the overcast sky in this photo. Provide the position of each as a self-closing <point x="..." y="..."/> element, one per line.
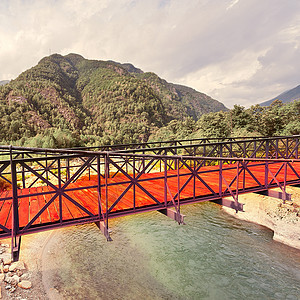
<point x="236" y="51"/>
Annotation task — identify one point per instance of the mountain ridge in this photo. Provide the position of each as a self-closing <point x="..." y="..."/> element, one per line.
<point x="285" y="97"/>
<point x="93" y="101"/>
<point x="3" y="82"/>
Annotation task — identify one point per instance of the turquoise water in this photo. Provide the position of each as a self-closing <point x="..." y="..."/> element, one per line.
<point x="214" y="256"/>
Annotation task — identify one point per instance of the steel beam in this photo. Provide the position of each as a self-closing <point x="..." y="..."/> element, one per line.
<point x="104" y="230"/>
<point x="178" y="217"/>
<point x="230" y="203"/>
<point x="276" y="194"/>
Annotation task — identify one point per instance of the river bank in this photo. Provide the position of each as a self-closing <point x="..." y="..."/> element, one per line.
<point x="32" y="248"/>
<point x="282" y="218"/>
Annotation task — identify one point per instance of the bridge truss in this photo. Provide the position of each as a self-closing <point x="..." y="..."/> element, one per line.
<point x="53" y="188"/>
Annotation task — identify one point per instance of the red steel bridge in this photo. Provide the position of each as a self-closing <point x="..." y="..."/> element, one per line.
<point x="53" y="188"/>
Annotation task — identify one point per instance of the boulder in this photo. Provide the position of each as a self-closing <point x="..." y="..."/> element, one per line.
<point x="25" y="284"/>
<point x="18" y="265"/>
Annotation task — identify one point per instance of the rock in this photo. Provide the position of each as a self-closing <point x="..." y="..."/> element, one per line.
<point x="8" y="287"/>
<point x="2" y="276"/>
<point x="8" y="279"/>
<point x="274" y="214"/>
<point x="6" y="268"/>
<point x="19" y="273"/>
<point x="18" y="265"/>
<point x="12" y="289"/>
<point x="6" y="258"/>
<point x="25" y="276"/>
<point x="5" y="245"/>
<point x="16" y="278"/>
<point x="12" y="280"/>
<point x="12" y="267"/>
<point x="25" y="284"/>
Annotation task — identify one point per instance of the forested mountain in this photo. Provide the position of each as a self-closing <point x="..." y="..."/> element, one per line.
<point x="273" y="120"/>
<point x="288" y="96"/>
<point x="68" y="101"/>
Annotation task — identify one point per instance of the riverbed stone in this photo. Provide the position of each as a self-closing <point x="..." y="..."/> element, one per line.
<point x="16" y="278"/>
<point x="18" y="265"/>
<point x="6" y="268"/>
<point x="24" y="276"/>
<point x="6" y="258"/>
<point x="25" y="284"/>
<point x="8" y="279"/>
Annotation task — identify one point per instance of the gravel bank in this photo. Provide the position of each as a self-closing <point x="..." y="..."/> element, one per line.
<point x="283" y="219"/>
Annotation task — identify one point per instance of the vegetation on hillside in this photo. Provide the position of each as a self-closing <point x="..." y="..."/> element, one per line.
<point x="274" y="120"/>
<point x="67" y="101"/>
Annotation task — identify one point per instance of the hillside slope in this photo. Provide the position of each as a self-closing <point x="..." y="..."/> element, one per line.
<point x="92" y="101"/>
<point x="286" y="97"/>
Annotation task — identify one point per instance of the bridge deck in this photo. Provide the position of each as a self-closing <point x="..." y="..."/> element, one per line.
<point x="85" y="193"/>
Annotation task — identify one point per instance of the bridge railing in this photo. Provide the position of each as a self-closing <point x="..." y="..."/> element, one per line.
<point x="277" y="147"/>
<point x="169" y="143"/>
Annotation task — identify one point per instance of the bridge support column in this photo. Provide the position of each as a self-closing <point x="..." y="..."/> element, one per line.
<point x="178" y="217"/>
<point x="15" y="248"/>
<point x="230" y="203"/>
<point x="276" y="194"/>
<point x="104" y="230"/>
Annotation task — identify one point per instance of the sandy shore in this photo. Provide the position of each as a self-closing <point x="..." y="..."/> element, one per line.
<point x="283" y="219"/>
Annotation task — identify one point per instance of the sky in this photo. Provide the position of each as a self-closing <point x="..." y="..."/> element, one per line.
<point x="236" y="51"/>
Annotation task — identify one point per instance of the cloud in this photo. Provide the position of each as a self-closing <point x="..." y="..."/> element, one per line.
<point x="231" y="4"/>
<point x="236" y="51"/>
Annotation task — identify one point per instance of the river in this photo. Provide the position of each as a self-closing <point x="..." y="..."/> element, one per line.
<point x="213" y="256"/>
